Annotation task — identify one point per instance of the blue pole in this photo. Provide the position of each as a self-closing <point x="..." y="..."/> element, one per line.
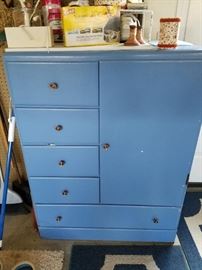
<point x="5" y="191"/>
<point x="11" y="132"/>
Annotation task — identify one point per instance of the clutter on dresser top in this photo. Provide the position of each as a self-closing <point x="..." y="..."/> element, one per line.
<point x="46" y="23"/>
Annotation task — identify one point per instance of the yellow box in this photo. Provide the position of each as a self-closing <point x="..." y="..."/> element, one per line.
<point x="91" y="25"/>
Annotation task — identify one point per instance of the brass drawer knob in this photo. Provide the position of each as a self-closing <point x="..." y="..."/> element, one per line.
<point x="61" y="163"/>
<point x="53" y="85"/>
<point x="58" y="218"/>
<point x="65" y="192"/>
<point x="155" y="220"/>
<point x="106" y="146"/>
<point x="59" y="128"/>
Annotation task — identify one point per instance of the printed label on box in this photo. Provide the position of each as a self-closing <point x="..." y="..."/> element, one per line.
<point x="90" y="25"/>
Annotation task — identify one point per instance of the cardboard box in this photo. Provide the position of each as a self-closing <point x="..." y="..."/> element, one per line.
<point x="29" y="37"/>
<point x="91" y="25"/>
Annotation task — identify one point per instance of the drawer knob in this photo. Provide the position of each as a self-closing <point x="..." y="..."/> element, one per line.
<point x="58" y="218"/>
<point x="59" y="128"/>
<point x="106" y="146"/>
<point x="155" y="220"/>
<point x="61" y="163"/>
<point x="65" y="192"/>
<point x="53" y="85"/>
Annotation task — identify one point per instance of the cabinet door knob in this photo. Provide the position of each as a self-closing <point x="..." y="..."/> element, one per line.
<point x="58" y="218"/>
<point x="106" y="146"/>
<point x="155" y="220"/>
<point x="59" y="128"/>
<point x="61" y="163"/>
<point x="65" y="192"/>
<point x="53" y="85"/>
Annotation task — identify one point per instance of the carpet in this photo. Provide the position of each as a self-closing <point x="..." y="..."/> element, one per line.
<point x="183" y="255"/>
<point x="190" y="230"/>
<point x="127" y="258"/>
<point x="40" y="259"/>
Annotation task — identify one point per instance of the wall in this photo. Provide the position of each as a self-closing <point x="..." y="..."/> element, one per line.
<point x="161" y="8"/>
<point x="190" y="12"/>
<point x="193" y="30"/>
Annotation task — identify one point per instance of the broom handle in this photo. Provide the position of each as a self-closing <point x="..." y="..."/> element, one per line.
<point x="7" y="174"/>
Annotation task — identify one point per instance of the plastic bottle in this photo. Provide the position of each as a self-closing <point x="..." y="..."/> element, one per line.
<point x="51" y="10"/>
<point x="46" y="6"/>
<point x="54" y="20"/>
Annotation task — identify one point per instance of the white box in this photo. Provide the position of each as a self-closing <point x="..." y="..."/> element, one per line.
<point x="29" y="37"/>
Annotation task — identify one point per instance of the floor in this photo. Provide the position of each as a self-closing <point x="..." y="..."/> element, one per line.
<point x="19" y="234"/>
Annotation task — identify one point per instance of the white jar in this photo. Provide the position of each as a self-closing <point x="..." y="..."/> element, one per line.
<point x="126" y="21"/>
<point x="110" y="2"/>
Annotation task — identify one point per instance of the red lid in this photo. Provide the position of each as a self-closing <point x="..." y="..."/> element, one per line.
<point x="49" y="2"/>
<point x="170" y="19"/>
<point x="54" y="10"/>
<point x="167" y="45"/>
<point x="54" y="13"/>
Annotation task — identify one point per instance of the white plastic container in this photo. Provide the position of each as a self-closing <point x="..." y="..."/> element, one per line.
<point x="29" y="37"/>
<point x="132" y="16"/>
<point x="110" y="2"/>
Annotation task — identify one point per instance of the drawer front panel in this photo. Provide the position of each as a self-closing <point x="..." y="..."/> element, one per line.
<point x="108" y="234"/>
<point x="60" y="190"/>
<point x="104" y="216"/>
<point x="61" y="161"/>
<point x="61" y="127"/>
<point x="33" y="83"/>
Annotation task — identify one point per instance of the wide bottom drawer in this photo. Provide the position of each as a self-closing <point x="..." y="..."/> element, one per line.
<point x="108" y="216"/>
<point x="164" y="236"/>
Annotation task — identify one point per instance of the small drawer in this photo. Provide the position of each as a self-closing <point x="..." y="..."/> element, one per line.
<point x="61" y="161"/>
<point x="44" y="84"/>
<point x="58" y="126"/>
<point x="63" y="191"/>
<point x="108" y="216"/>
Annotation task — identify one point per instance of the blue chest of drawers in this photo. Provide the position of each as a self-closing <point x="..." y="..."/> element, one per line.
<point x="108" y="139"/>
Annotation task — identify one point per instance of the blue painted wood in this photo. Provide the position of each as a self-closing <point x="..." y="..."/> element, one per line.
<point x="151" y="116"/>
<point x="79" y="127"/>
<point x="29" y="83"/>
<point x="105" y="216"/>
<point x="108" y="234"/>
<point x="64" y="190"/>
<point x="44" y="161"/>
<point x="182" y="53"/>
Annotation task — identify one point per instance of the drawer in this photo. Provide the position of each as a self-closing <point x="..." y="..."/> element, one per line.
<point x="108" y="216"/>
<point x="61" y="161"/>
<point x="62" y="191"/>
<point x="109" y="234"/>
<point x="58" y="126"/>
<point x="73" y="84"/>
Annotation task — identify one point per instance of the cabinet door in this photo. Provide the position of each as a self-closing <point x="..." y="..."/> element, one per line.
<point x="150" y="115"/>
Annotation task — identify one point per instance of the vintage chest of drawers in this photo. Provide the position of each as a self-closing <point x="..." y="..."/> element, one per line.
<point x="108" y="139"/>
